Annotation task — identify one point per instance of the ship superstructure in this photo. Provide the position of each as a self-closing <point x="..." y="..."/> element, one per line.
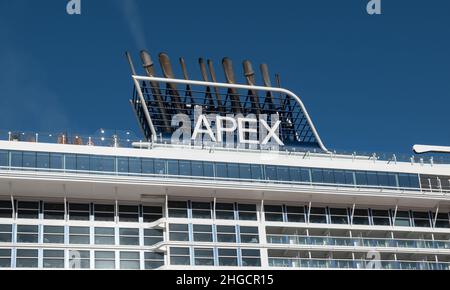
<point x="225" y="176"/>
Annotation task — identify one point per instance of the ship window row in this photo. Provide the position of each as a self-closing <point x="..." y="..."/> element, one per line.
<point x="79" y="259"/>
<point x="199" y="169"/>
<point x="210" y="257"/>
<point x="75" y="235"/>
<point x="213" y="234"/>
<point x="80" y="211"/>
<point x="357" y="216"/>
<point x="204" y="210"/>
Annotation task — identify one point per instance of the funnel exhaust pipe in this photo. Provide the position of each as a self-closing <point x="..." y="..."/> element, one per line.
<point x="212" y="72"/>
<point x="166" y="67"/>
<point x="267" y="83"/>
<point x="249" y="74"/>
<point x="229" y="75"/>
<point x="149" y="67"/>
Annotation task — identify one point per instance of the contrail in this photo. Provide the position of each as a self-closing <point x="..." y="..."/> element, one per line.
<point x="132" y="17"/>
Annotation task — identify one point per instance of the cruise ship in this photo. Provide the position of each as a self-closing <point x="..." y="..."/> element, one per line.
<point x="225" y="175"/>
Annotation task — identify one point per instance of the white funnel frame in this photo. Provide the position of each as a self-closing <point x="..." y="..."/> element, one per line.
<point x="220" y="85"/>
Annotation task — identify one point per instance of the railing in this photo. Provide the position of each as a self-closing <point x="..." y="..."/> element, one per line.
<point x="356" y="264"/>
<point x="127" y="139"/>
<point x="356" y="242"/>
<point x="215" y="179"/>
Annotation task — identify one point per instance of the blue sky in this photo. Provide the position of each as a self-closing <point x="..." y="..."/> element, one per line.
<point x="370" y="83"/>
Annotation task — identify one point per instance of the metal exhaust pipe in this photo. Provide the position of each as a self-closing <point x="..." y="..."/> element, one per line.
<point x="267" y="83"/>
<point x="216" y="89"/>
<point x="204" y="72"/>
<point x="229" y="75"/>
<point x="184" y="69"/>
<point x="150" y="70"/>
<point x="166" y="67"/>
<point x="249" y="74"/>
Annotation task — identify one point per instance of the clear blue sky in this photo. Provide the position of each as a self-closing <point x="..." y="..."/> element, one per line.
<point x="371" y="83"/>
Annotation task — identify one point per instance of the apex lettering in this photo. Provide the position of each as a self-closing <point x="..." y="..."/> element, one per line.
<point x="250" y="131"/>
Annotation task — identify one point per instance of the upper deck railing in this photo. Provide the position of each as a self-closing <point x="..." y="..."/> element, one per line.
<point x="127" y="139"/>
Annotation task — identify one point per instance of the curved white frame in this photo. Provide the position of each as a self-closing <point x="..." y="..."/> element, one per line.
<point x="222" y="85"/>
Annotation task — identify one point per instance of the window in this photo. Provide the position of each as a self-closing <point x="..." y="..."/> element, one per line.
<point x="361" y="217"/>
<point x="204" y="257"/>
<point x="249" y="235"/>
<point x="153" y="236"/>
<point x="317" y="175"/>
<point x="130" y="261"/>
<point x="381" y="218"/>
<point x="226" y="234"/>
<point x="201" y="210"/>
<point x="122" y="165"/>
<point x="203" y="233"/>
<point x="134" y="166"/>
<point x="79" y="212"/>
<point x="245" y="171"/>
<point x="4" y="159"/>
<point x="54" y="259"/>
<point x="271" y="173"/>
<point x="153" y="260"/>
<point x="318" y="215"/>
<point x="402" y="219"/>
<point x="178" y="209"/>
<point x="129" y="213"/>
<point x="228" y="257"/>
<point x="27" y="258"/>
<point x="172" y="166"/>
<point x="29" y="160"/>
<point x="5" y="233"/>
<point x="180" y="256"/>
<point x="102" y="164"/>
<point x="197" y="168"/>
<point x="82" y="162"/>
<point x="148" y="166"/>
<point x="43" y="160"/>
<point x="256" y="172"/>
<point x="372" y="178"/>
<point x="421" y="219"/>
<point x="160" y="167"/>
<point x="5" y="258"/>
<point x="339" y="216"/>
<point x="79" y="259"/>
<point x="296" y="214"/>
<point x="247" y="212"/>
<point x="225" y="211"/>
<point x="179" y="233"/>
<point x="328" y="176"/>
<point x="79" y="236"/>
<point x="103" y="212"/>
<point x="129" y="237"/>
<point x="152" y="213"/>
<point x="273" y="213"/>
<point x="251" y="258"/>
<point x="361" y="178"/>
<point x="54" y="211"/>
<point x="104" y="236"/>
<point x="28" y="234"/>
<point x="184" y="168"/>
<point x="442" y="220"/>
<point x="5" y="209"/>
<point x="56" y="161"/>
<point x="27" y="210"/>
<point x="53" y="235"/>
<point x="16" y="159"/>
<point x="105" y="260"/>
